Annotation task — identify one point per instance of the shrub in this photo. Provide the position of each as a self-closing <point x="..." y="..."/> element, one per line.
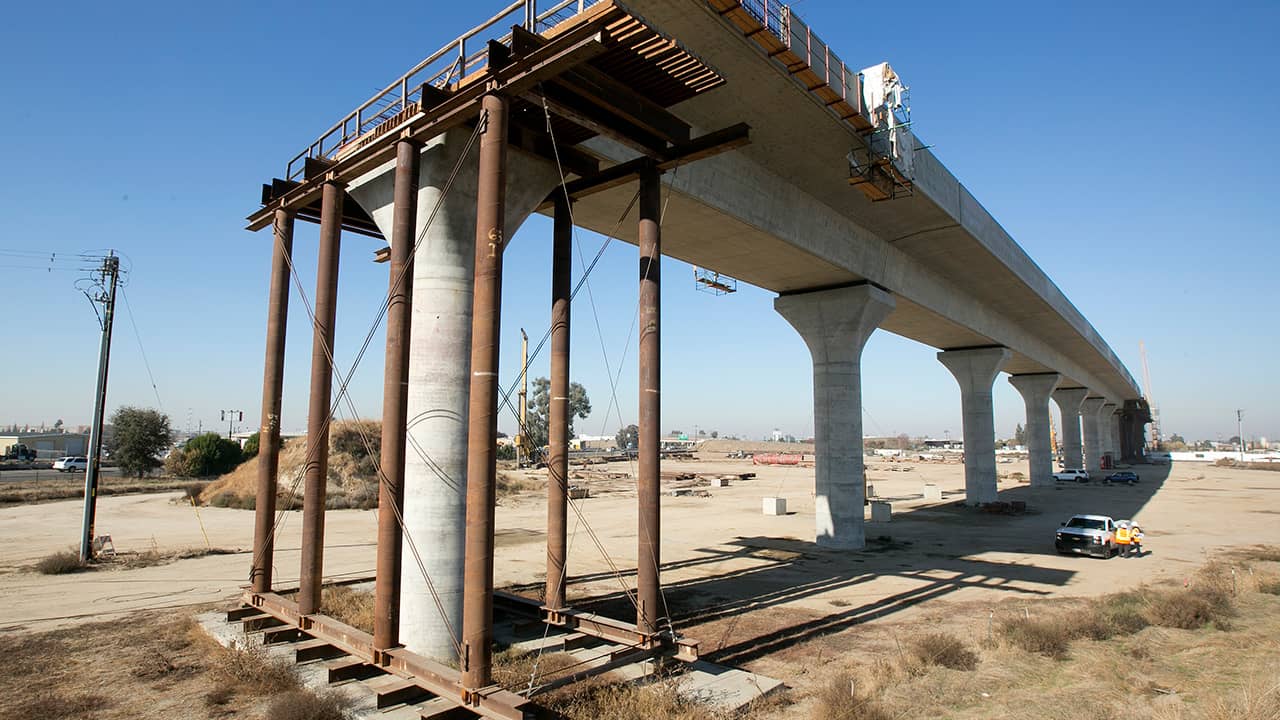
<point x="210" y="454"/>
<point x="1186" y="609"/>
<point x="943" y="650"/>
<point x="353" y="607"/>
<point x="1050" y="636"/>
<point x="840" y="697"/>
<point x="310" y="705"/>
<point x="251" y="670"/>
<point x="61" y="564"/>
<point x="1120" y="614"/>
<point x="1269" y="585"/>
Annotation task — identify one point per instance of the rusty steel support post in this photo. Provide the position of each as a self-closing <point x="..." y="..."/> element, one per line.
<point x="395" y="399"/>
<point x="648" y="559"/>
<point x="272" y="387"/>
<point x="482" y="427"/>
<point x="558" y="420"/>
<point x="317" y="468"/>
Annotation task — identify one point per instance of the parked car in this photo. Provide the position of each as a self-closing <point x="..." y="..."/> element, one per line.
<point x="1087" y="535"/>
<point x="1123" y="476"/>
<point x="70" y="464"/>
<point x="1072" y="476"/>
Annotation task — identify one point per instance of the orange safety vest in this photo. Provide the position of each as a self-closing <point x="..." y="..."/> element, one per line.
<point x="1122" y="536"/>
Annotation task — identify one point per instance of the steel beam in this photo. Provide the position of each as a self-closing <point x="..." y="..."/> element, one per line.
<point x="272" y="388"/>
<point x="436" y="678"/>
<point x="559" y="412"/>
<point x="318" y="408"/>
<point x="648" y="560"/>
<point x="395" y="398"/>
<point x="482" y="429"/>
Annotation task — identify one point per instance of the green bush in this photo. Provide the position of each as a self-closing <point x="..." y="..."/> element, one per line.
<point x="209" y="454"/>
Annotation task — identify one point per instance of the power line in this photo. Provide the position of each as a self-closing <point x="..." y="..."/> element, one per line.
<point x="145" y="363"/>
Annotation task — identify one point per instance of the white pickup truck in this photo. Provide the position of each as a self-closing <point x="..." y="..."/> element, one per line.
<point x="1072" y="476"/>
<point x="1087" y="535"/>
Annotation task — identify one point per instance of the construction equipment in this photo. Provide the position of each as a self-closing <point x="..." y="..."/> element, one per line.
<point x="522" y="440"/>
<point x="1156" y="439"/>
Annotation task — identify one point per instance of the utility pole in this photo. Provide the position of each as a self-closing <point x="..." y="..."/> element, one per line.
<point x="110" y="277"/>
<point x="232" y="417"/>
<point x="1240" y="431"/>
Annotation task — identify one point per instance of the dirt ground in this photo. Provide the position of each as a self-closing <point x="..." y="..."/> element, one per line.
<point x="753" y="588"/>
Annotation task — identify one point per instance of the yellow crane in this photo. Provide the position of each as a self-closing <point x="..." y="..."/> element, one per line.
<point x="521" y="439"/>
<point x="1151" y="403"/>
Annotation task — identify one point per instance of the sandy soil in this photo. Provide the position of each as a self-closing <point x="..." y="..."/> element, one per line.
<point x="744" y="583"/>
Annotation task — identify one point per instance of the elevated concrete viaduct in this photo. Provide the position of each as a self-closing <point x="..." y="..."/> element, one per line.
<point x="753" y="151"/>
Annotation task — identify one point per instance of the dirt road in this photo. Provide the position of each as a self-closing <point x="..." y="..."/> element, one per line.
<point x="722" y="557"/>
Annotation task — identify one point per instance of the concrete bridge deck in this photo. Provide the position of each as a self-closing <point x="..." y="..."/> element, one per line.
<point x="780" y="214"/>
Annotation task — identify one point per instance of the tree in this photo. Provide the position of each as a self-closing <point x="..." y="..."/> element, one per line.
<point x="715" y="434"/>
<point x="208" y="454"/>
<point x="1020" y="435"/>
<point x="250" y="448"/>
<point x="140" y="436"/>
<point x="628" y="437"/>
<point x="58" y="425"/>
<point x="540" y="409"/>
<point x="904" y="442"/>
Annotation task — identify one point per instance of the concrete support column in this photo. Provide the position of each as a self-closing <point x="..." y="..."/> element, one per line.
<point x="558" y="413"/>
<point x="318" y="408"/>
<point x="975" y="369"/>
<point x="1035" y="390"/>
<point x="482" y="424"/>
<point x="1117" y="446"/>
<point x="395" y="399"/>
<point x="440" y="367"/>
<point x="1068" y="400"/>
<point x="272" y="387"/>
<point x="1106" y="440"/>
<point x="648" y="458"/>
<point x="1089" y="410"/>
<point x="835" y="325"/>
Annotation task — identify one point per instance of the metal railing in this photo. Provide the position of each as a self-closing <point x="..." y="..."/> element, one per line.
<point x="783" y="24"/>
<point x="444" y="67"/>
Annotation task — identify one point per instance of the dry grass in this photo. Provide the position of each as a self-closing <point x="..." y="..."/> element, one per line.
<point x="149" y="666"/>
<point x="66" y="488"/>
<point x="353" y="607"/>
<point x="309" y="705"/>
<point x="1125" y="655"/>
<point x="628" y="701"/>
<point x="513" y="484"/>
<point x="352" y="477"/>
<point x="938" y="649"/>
<point x="61" y="563"/>
<point x="249" y="670"/>
<point x="1258" y="553"/>
<point x="843" y="696"/>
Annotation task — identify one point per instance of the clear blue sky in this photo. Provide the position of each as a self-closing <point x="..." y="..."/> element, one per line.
<point x="1130" y="149"/>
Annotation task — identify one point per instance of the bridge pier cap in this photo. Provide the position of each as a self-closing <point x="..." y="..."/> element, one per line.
<point x="975" y="370"/>
<point x="835" y="325"/>
<point x="440" y="366"/>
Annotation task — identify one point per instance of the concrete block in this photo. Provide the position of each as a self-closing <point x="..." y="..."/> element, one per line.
<point x="577" y="492"/>
<point x="932" y="492"/>
<point x="881" y="511"/>
<point x="719" y="482"/>
<point x="775" y="506"/>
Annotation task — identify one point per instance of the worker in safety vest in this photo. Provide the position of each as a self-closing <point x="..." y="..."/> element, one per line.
<point x="1135" y="539"/>
<point x="1124" y="537"/>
